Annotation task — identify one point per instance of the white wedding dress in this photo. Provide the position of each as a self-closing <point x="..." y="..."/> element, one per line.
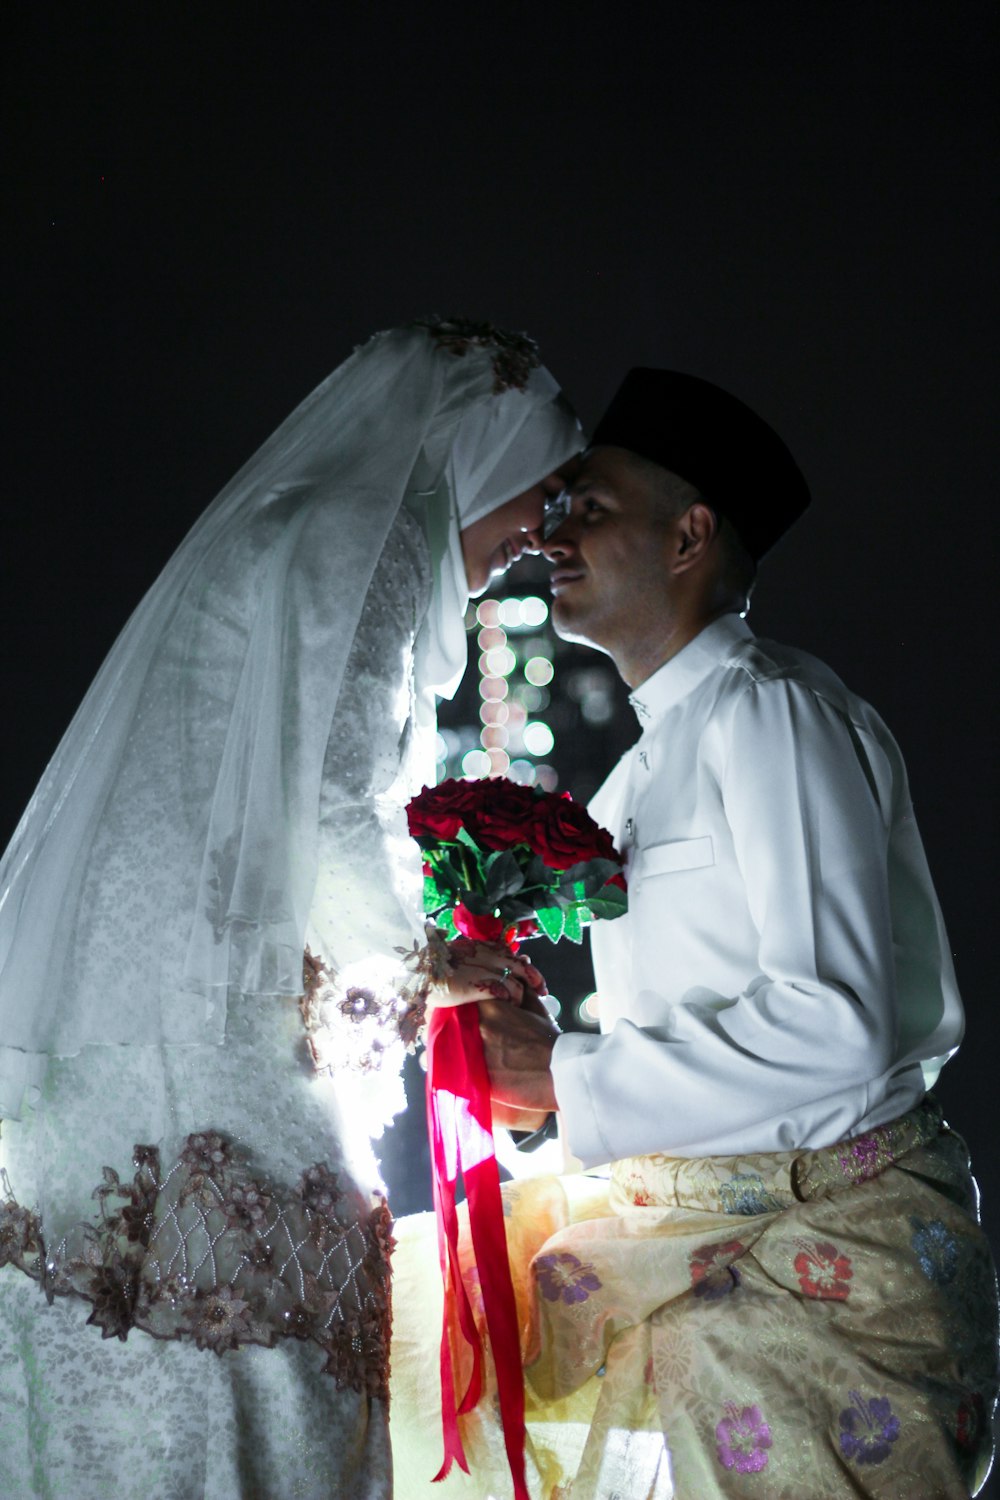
<point x="167" y="1418"/>
<point x="194" y="1256"/>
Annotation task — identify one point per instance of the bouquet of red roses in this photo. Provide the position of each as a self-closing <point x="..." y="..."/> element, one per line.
<point x="502" y="861"/>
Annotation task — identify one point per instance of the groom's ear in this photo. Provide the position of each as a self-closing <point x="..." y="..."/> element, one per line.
<point x="692" y="536"/>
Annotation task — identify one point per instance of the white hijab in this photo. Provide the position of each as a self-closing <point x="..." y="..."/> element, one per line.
<point x="168" y="856"/>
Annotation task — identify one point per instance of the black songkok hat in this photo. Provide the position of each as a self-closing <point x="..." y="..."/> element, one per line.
<point x="732" y="457"/>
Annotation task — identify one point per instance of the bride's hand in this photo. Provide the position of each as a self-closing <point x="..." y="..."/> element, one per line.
<point x="486" y="971"/>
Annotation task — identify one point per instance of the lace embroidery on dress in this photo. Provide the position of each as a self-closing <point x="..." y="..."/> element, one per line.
<point x="366" y="1027"/>
<point x="210" y="1253"/>
<point x="514" y="356"/>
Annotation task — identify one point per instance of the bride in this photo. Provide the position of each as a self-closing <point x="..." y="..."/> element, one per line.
<point x="181" y="1178"/>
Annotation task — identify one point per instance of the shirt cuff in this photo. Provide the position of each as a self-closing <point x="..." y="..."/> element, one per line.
<point x="577" y="1116"/>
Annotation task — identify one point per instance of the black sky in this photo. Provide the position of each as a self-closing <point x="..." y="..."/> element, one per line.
<point x="796" y="200"/>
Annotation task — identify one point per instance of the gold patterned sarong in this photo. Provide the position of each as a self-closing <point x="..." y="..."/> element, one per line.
<point x="799" y="1326"/>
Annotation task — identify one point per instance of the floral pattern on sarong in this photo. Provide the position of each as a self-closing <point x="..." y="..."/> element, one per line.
<point x="868" y="1428"/>
<point x="823" y="1271"/>
<point x="713" y="1274"/>
<point x="746" y="1194"/>
<point x="936" y="1249"/>
<point x="744" y="1438"/>
<point x="563" y="1276"/>
<point x="789" y="1382"/>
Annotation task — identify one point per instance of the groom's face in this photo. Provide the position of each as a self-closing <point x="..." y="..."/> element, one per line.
<point x="609" y="553"/>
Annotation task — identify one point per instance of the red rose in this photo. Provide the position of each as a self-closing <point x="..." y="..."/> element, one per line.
<point x="502" y="814"/>
<point x="563" y="833"/>
<point x="438" y="812"/>
<point x="481" y="929"/>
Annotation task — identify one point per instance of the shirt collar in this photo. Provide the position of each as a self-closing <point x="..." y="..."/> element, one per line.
<point x="683" y="672"/>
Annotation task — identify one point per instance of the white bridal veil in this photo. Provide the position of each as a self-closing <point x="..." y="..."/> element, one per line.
<point x="168" y="856"/>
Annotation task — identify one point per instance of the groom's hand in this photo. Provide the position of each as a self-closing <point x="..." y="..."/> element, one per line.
<point x="517" y="1031"/>
<point x="517" y="1045"/>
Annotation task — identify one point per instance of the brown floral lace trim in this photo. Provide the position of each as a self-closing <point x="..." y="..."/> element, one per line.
<point x="515" y="355"/>
<point x="366" y="1028"/>
<point x="210" y="1253"/>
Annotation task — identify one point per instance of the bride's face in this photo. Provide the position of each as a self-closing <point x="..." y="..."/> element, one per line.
<point x="492" y="543"/>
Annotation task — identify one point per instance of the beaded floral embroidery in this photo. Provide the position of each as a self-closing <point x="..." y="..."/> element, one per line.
<point x="514" y="355"/>
<point x="366" y="1027"/>
<point x="209" y="1253"/>
<point x="362" y="1027"/>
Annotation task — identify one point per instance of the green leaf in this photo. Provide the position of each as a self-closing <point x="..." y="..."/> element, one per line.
<point x="465" y="837"/>
<point x="480" y="906"/>
<point x="504" y="876"/>
<point x="589" y="876"/>
<point x="449" y="875"/>
<point x="514" y="909"/>
<point x="552" y="920"/>
<point x="614" y="894"/>
<point x="607" y="907"/>
<point x="537" y="872"/>
<point x="544" y="898"/>
<point x="574" y="927"/>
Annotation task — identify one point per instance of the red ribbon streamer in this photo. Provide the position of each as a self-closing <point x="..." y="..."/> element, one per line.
<point x="461" y="1133"/>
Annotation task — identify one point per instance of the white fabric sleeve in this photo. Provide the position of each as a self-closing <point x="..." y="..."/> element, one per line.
<point x="789" y="1059"/>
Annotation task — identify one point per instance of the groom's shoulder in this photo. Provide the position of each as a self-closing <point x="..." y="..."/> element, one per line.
<point x="758" y="659"/>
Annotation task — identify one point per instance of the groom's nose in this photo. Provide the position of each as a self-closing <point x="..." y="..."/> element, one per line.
<point x="560" y="543"/>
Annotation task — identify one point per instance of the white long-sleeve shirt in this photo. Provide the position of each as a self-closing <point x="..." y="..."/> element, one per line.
<point x="782" y="978"/>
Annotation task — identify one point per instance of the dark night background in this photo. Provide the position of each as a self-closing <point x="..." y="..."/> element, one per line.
<point x="206" y="208"/>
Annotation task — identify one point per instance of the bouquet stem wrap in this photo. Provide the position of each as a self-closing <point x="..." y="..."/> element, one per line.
<point x="461" y="1135"/>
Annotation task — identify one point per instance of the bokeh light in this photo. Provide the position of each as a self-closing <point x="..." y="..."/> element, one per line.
<point x="547" y="777"/>
<point x="510" y="613"/>
<point x="530" y="698"/>
<point x="539" y="671"/>
<point x="587" y="1012"/>
<point x="523" y="772"/>
<point x="538" y="738"/>
<point x="500" y="662"/>
<point x="494" y="713"/>
<point x="534" y="611"/>
<point x="488" y="612"/>
<point x="522" y="614"/>
<point x="475" y="763"/>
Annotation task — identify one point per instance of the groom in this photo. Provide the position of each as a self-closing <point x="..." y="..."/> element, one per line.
<point x="775" y="1276"/>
